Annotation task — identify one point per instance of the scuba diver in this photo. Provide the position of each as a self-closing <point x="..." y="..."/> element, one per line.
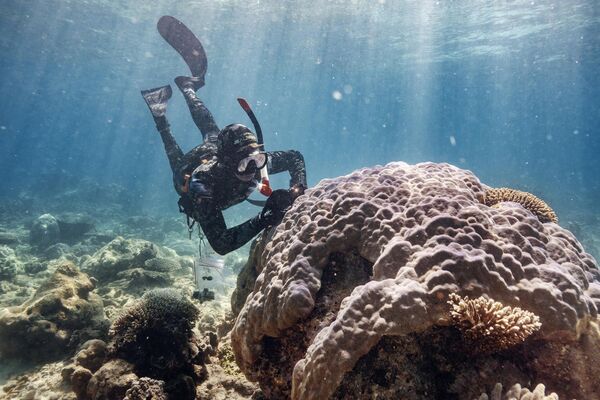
<point x="228" y="165"/>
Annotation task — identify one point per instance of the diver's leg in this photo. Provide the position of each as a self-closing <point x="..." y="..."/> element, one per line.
<point x="157" y="99"/>
<point x="200" y="114"/>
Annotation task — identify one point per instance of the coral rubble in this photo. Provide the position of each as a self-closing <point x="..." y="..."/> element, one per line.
<point x="370" y="260"/>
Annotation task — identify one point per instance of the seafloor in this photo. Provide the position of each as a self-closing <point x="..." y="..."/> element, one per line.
<point x="316" y="323"/>
<point x="32" y="249"/>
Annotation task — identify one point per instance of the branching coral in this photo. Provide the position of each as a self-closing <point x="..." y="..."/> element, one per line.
<point x="527" y="200"/>
<point x="516" y="392"/>
<point x="490" y="325"/>
<point x="155" y="333"/>
<point x="146" y="388"/>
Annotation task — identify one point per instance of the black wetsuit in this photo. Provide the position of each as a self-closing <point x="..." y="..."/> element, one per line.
<point x="215" y="188"/>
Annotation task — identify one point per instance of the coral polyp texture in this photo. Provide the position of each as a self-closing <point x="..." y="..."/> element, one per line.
<point x="516" y="392"/>
<point x="357" y="277"/>
<point x="489" y="325"/>
<point x="527" y="200"/>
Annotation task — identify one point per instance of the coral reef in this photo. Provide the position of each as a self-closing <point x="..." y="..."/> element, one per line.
<point x="146" y="388"/>
<point x="488" y="325"/>
<point x="119" y="255"/>
<point x="73" y="227"/>
<point x="373" y="256"/>
<point x="152" y="353"/>
<point x="537" y="206"/>
<point x="516" y="392"/>
<point x="9" y="238"/>
<point x="162" y="264"/>
<point x="111" y="381"/>
<point x="10" y="266"/>
<point x="63" y="313"/>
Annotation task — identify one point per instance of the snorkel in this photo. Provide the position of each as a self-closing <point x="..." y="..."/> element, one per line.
<point x="264" y="186"/>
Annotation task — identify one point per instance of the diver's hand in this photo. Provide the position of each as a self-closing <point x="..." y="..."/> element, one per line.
<point x="277" y="204"/>
<point x="297" y="190"/>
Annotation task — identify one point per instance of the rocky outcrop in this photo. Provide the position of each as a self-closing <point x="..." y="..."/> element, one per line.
<point x="73" y="227"/>
<point x="119" y="255"/>
<point x="351" y="297"/>
<point x="63" y="313"/>
<point x="44" y="231"/>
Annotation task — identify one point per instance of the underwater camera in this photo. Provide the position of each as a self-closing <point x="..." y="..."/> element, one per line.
<point x="204" y="295"/>
<point x="204" y="267"/>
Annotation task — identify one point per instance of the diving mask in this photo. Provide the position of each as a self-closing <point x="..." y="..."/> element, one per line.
<point x="258" y="158"/>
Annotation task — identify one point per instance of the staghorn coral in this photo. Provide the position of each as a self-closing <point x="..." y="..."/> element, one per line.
<point x="537" y="206"/>
<point x="375" y="254"/>
<point x="155" y="333"/>
<point x="516" y="392"/>
<point x="489" y="325"/>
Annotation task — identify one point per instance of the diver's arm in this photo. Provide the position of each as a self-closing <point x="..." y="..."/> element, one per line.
<point x="222" y="239"/>
<point x="291" y="161"/>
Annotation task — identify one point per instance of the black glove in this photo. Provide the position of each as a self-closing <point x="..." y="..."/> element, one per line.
<point x="277" y="204"/>
<point x="297" y="190"/>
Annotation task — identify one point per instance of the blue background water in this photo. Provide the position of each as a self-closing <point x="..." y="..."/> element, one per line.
<point x="507" y="89"/>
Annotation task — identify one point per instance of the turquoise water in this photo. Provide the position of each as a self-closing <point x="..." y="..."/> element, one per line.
<point x="509" y="90"/>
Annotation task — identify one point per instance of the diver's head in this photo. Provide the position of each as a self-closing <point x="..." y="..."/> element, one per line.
<point x="239" y="151"/>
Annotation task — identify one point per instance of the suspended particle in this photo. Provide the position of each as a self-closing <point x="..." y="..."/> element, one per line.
<point x="337" y="95"/>
<point x="347" y="89"/>
<point x="452" y="140"/>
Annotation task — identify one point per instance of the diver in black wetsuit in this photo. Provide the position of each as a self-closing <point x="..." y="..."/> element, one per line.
<point x="222" y="171"/>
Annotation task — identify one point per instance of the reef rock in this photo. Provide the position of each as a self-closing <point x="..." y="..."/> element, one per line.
<point x="73" y="227"/>
<point x="62" y="313"/>
<point x="8" y="238"/>
<point x="119" y="255"/>
<point x="10" y="266"/>
<point x="44" y="232"/>
<point x="351" y="297"/>
<point x="111" y="381"/>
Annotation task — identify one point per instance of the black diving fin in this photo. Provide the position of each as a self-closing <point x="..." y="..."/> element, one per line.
<point x="183" y="40"/>
<point x="156" y="99"/>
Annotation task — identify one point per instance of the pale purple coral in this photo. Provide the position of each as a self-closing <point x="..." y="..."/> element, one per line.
<point x="427" y="234"/>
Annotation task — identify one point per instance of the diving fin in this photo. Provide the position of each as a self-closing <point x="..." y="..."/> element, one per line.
<point x="157" y="99"/>
<point x="184" y="42"/>
<point x="185" y="82"/>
